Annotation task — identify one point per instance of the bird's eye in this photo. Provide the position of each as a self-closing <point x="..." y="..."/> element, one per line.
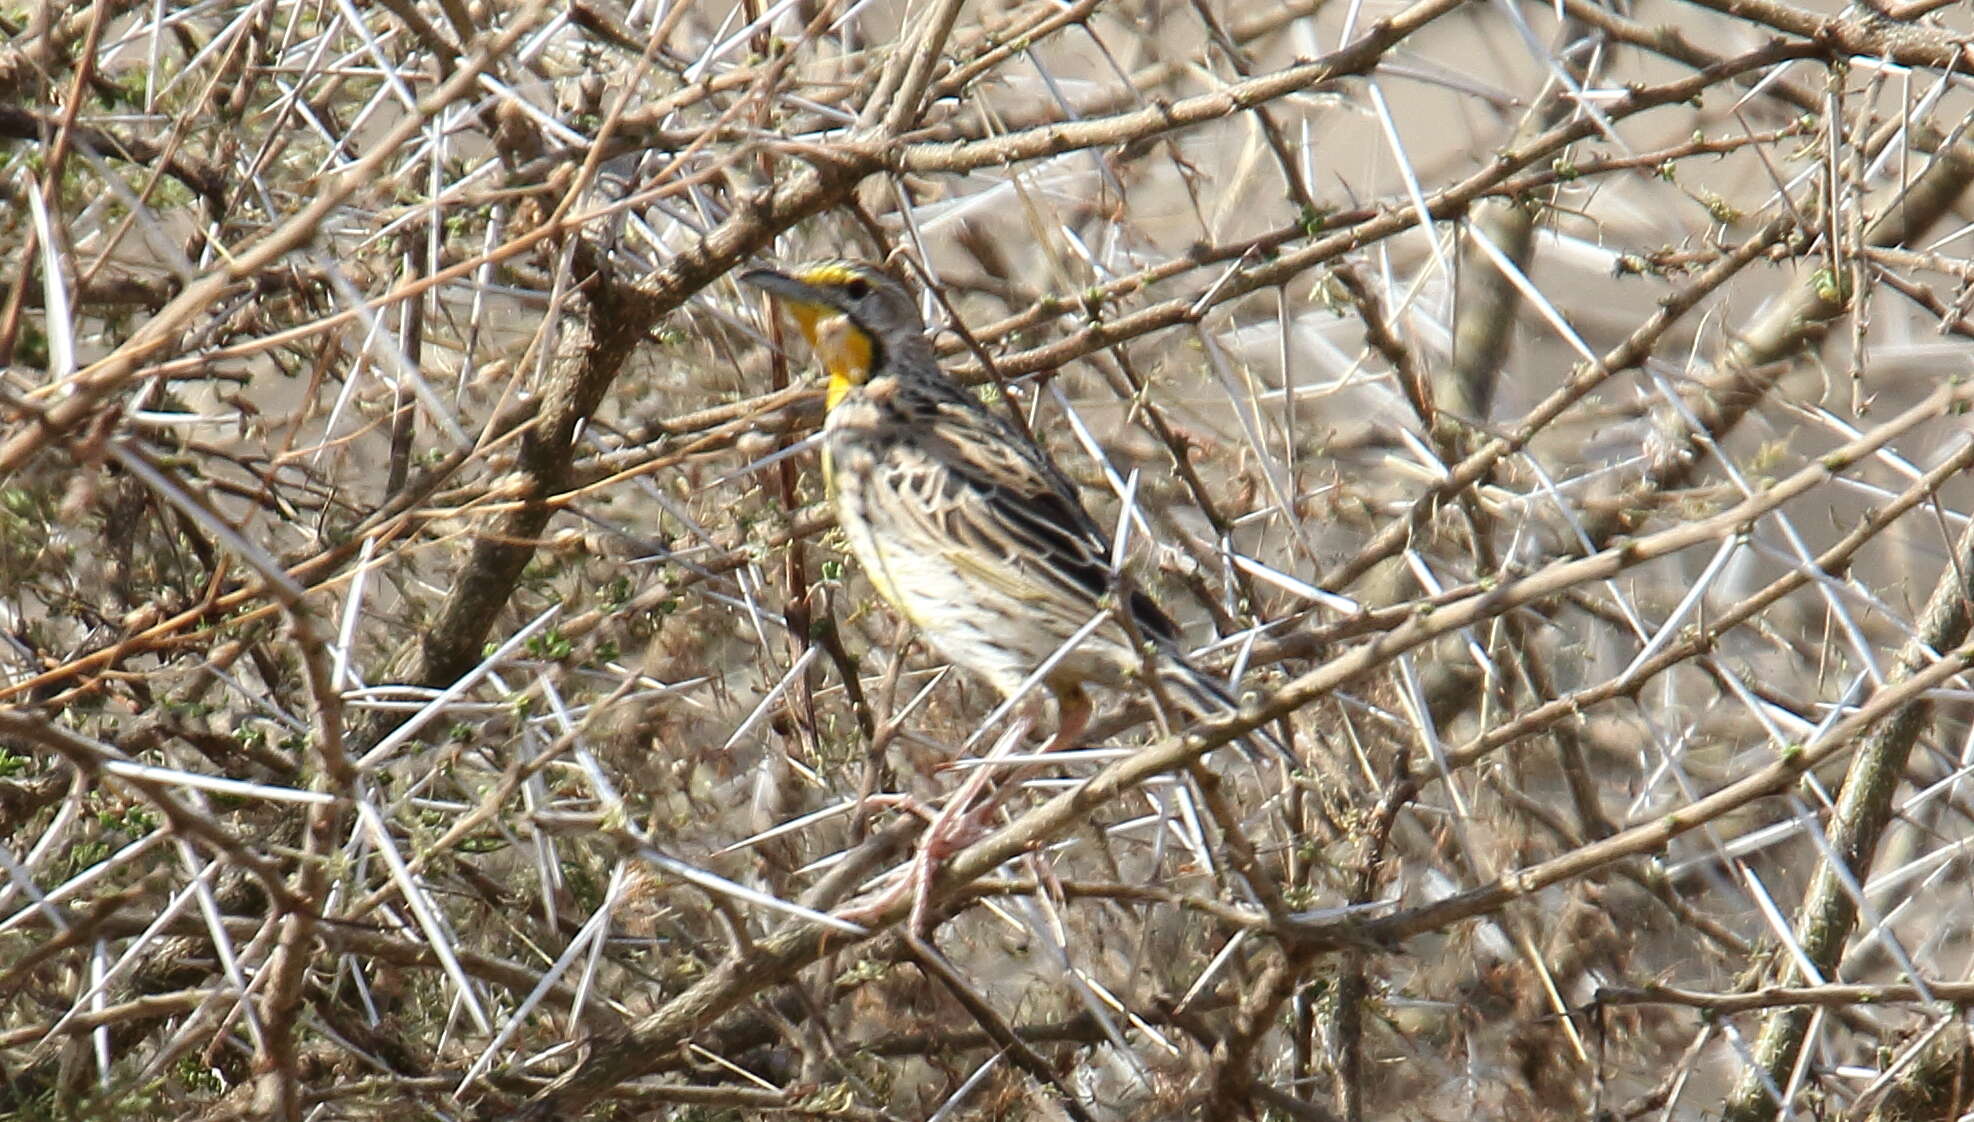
<point x="857" y="289"/>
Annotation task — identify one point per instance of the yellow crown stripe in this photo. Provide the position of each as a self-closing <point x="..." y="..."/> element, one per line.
<point x="832" y="273"/>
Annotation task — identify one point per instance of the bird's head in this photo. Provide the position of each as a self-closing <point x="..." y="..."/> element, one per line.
<point x="853" y="315"/>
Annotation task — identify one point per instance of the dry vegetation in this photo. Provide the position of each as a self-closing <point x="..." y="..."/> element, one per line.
<point x="431" y="684"/>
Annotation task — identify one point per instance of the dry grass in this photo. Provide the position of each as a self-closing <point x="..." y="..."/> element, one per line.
<point x="431" y="683"/>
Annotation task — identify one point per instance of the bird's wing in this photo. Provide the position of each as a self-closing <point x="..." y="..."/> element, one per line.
<point x="995" y="494"/>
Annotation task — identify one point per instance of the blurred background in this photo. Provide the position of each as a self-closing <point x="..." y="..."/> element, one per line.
<point x="431" y="681"/>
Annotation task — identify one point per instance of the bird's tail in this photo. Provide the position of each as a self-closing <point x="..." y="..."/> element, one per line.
<point x="1197" y="695"/>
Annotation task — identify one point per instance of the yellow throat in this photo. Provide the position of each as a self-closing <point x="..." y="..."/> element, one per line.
<point x="841" y="346"/>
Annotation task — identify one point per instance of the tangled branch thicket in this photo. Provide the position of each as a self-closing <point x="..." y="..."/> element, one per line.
<point x="432" y="683"/>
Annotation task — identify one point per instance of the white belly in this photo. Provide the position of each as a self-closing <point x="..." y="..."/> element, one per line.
<point x="928" y="590"/>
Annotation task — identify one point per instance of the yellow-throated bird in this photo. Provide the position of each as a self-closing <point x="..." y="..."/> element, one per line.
<point x="960" y="521"/>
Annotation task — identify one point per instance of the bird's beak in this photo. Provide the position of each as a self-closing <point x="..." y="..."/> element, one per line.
<point x="844" y="349"/>
<point x="793" y="291"/>
<point x="811" y="305"/>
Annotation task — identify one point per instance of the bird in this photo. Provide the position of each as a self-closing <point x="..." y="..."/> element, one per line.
<point x="962" y="523"/>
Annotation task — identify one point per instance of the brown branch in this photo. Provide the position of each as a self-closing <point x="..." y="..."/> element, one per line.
<point x="1903" y="44"/>
<point x="620" y="318"/>
<point x="208" y="182"/>
<point x="1829" y="909"/>
<point x="1156" y="120"/>
<point x="780" y="955"/>
<point x="1755" y="358"/>
<point x="90" y="387"/>
<point x="1771" y="997"/>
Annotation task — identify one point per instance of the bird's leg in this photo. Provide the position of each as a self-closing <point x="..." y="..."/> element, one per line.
<point x="957" y="826"/>
<point x="948" y="830"/>
<point x="963" y="826"/>
<point x="960" y="823"/>
<point x="1073" y="711"/>
<point x="966" y="826"/>
<point x="960" y="826"/>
